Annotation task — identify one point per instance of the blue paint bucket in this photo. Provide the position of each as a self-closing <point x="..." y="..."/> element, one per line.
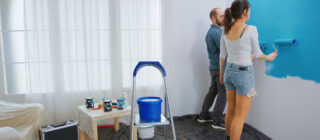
<point x="150" y="109"/>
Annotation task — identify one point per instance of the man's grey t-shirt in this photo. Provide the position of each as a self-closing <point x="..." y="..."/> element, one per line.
<point x="213" y="46"/>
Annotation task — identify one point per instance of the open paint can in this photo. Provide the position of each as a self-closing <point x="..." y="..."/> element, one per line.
<point x="121" y="103"/>
<point x="89" y="102"/>
<point x="107" y="105"/>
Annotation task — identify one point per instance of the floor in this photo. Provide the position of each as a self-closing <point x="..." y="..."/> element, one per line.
<point x="186" y="129"/>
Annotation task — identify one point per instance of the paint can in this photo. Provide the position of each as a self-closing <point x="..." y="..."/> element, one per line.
<point x="121" y="103"/>
<point x="150" y="109"/>
<point x="89" y="102"/>
<point x="107" y="105"/>
<point x="114" y="104"/>
<point x="146" y="132"/>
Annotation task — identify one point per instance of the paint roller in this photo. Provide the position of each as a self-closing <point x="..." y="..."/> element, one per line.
<point x="285" y="42"/>
<point x="278" y="42"/>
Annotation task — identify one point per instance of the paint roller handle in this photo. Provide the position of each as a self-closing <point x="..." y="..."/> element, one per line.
<point x="272" y="56"/>
<point x="149" y="63"/>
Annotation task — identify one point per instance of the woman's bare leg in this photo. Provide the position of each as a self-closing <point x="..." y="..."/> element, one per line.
<point x="231" y="100"/>
<point x="243" y="104"/>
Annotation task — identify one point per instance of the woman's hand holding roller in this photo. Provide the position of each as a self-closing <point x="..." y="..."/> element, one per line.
<point x="272" y="56"/>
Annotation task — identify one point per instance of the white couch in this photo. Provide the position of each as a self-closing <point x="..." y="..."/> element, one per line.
<point x="20" y="121"/>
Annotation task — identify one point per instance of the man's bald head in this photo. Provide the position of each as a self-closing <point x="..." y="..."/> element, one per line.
<point x="217" y="15"/>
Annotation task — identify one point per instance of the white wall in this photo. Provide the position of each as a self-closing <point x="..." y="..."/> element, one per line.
<point x="187" y="22"/>
<point x="285" y="109"/>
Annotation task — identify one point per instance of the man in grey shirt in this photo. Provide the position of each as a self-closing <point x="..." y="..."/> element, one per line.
<point x="216" y="88"/>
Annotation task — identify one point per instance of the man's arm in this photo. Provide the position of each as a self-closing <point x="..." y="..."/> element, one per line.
<point x="216" y="37"/>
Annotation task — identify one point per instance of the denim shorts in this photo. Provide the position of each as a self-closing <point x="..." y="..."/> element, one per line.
<point x="239" y="78"/>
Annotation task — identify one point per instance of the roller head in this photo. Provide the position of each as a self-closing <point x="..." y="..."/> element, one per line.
<point x="285" y="42"/>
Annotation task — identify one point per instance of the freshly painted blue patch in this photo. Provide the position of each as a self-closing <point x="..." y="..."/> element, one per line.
<point x="290" y="19"/>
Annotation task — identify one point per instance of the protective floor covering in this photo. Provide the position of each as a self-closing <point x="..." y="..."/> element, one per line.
<point x="186" y="129"/>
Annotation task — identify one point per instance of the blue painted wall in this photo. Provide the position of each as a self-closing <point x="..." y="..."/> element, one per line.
<point x="281" y="19"/>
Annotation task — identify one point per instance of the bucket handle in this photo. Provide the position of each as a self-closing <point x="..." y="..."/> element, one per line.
<point x="149" y="63"/>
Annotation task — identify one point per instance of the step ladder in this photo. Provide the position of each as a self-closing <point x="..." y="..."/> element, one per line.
<point x="165" y="119"/>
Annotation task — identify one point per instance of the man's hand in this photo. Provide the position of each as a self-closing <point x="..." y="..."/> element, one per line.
<point x="221" y="78"/>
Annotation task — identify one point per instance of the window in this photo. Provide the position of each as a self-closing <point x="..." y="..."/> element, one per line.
<point x="64" y="45"/>
<point x="25" y="47"/>
<point x="84" y="41"/>
<point x="141" y="39"/>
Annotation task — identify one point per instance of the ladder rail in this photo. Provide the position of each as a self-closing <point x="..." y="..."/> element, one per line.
<point x="133" y="108"/>
<point x="169" y="110"/>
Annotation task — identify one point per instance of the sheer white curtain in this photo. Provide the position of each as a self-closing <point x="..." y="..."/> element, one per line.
<point x="141" y="38"/>
<point x="58" y="52"/>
